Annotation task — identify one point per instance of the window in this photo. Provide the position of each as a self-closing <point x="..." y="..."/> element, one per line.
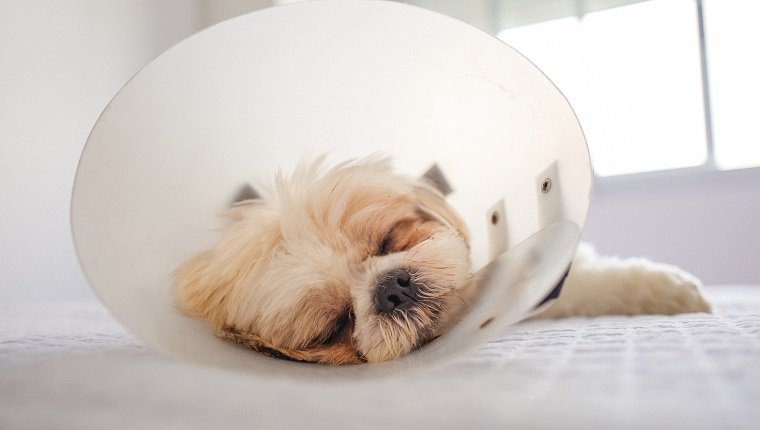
<point x="633" y="75"/>
<point x="732" y="36"/>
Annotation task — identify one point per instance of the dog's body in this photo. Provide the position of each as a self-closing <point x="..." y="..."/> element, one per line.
<point x="358" y="264"/>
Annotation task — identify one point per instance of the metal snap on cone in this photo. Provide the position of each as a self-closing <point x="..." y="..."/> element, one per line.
<point x="234" y="103"/>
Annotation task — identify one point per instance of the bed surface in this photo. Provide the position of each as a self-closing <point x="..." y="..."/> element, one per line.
<point x="71" y="365"/>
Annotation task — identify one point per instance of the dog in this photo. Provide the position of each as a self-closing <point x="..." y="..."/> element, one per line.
<point x="357" y="263"/>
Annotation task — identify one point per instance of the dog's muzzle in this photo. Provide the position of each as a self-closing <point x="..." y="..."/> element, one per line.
<point x="395" y="290"/>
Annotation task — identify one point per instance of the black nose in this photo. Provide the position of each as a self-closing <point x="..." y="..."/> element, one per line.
<point x="395" y="290"/>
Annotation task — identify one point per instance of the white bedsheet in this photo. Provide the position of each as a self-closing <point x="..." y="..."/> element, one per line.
<point x="70" y="365"/>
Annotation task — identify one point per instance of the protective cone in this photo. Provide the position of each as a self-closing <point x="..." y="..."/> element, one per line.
<point x="234" y="103"/>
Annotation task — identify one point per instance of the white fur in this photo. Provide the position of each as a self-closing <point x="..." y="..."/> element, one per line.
<point x="600" y="285"/>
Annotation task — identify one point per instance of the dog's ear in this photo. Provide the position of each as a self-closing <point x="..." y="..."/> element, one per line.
<point x="338" y="353"/>
<point x="434" y="177"/>
<point x="200" y="288"/>
<point x="432" y="203"/>
<point x="204" y="283"/>
<point x="245" y="194"/>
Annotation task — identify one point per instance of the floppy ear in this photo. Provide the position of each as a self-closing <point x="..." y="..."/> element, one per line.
<point x="203" y="284"/>
<point x="200" y="288"/>
<point x="339" y="353"/>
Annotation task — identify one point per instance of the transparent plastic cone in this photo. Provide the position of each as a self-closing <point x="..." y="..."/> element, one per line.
<point x="261" y="92"/>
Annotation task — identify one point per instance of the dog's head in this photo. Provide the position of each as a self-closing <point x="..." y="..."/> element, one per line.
<point x="351" y="264"/>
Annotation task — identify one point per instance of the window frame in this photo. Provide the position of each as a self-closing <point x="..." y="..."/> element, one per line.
<point x="710" y="165"/>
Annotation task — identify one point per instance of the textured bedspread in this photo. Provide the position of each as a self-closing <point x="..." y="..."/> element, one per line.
<point x="70" y="365"/>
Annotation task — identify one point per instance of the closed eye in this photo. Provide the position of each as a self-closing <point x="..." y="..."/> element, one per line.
<point x="343" y="325"/>
<point x="385" y="245"/>
<point x="405" y="234"/>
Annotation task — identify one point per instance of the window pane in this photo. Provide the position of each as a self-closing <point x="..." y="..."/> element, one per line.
<point x="732" y="35"/>
<point x="633" y="76"/>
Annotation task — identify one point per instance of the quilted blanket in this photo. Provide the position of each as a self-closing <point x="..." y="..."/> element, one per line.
<point x="71" y="365"/>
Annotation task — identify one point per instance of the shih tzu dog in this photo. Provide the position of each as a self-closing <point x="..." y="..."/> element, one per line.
<point x="357" y="263"/>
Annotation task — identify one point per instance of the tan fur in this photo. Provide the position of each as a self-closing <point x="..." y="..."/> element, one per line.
<point x="291" y="266"/>
<point x="295" y="272"/>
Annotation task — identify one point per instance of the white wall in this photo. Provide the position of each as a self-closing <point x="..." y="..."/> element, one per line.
<point x="60" y="63"/>
<point x="213" y="11"/>
<point x="707" y="223"/>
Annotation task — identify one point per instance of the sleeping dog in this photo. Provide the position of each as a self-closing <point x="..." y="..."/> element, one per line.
<point x="356" y="263"/>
